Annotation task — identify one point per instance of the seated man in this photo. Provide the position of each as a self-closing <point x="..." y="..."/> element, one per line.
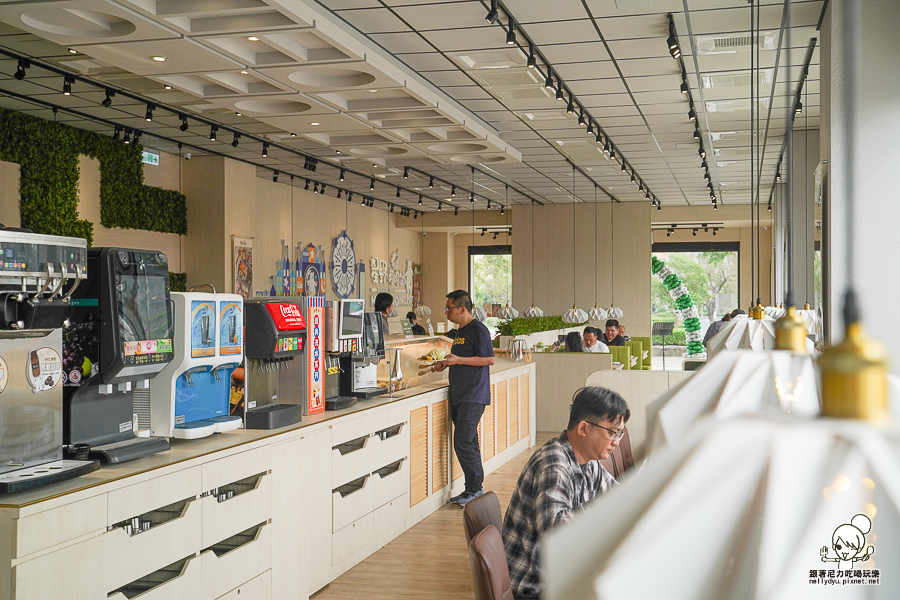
<point x="611" y="336"/>
<point x="715" y="327"/>
<point x="416" y="328"/>
<point x="591" y="341"/>
<point x="625" y="337"/>
<point x="558" y="480"/>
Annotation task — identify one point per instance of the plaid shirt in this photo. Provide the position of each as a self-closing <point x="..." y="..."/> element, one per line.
<point x="552" y="488"/>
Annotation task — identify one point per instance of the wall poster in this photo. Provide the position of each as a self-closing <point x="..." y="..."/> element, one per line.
<point x="243" y="266"/>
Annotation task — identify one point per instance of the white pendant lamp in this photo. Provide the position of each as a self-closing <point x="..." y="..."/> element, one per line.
<point x="598" y="314"/>
<point x="533" y="311"/>
<point x="743" y="332"/>
<point x="479" y="313"/>
<point x="775" y="312"/>
<point x="613" y="312"/>
<point x="508" y="312"/>
<point x="423" y="311"/>
<point x="574" y="316"/>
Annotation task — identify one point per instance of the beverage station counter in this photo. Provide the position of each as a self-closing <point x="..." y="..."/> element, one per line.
<point x="255" y="511"/>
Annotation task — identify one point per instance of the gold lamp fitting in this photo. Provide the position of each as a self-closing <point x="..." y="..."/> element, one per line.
<point x="854" y="382"/>
<point x="757" y="312"/>
<point x="806" y="306"/>
<point x="790" y="333"/>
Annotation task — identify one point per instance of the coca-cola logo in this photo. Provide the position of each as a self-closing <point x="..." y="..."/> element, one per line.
<point x="289" y="310"/>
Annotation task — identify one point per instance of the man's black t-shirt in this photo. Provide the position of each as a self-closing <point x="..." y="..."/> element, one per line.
<point x="467" y="383"/>
<point x="418" y="330"/>
<point x="616" y="341"/>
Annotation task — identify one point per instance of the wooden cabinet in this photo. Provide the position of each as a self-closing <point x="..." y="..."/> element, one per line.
<point x="285" y="582"/>
<point x="315" y="510"/>
<point x="440" y="446"/>
<point x="418" y="455"/>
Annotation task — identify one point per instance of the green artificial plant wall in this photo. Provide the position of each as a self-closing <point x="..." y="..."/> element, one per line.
<point x="47" y="153"/>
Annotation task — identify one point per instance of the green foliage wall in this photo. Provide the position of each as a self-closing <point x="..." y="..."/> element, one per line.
<point x="528" y="325"/>
<point x="47" y="153"/>
<point x="177" y="282"/>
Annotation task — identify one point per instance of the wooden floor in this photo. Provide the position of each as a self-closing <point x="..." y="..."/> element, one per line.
<point x="430" y="560"/>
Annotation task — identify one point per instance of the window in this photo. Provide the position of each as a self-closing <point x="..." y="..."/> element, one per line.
<point x="490" y="278"/>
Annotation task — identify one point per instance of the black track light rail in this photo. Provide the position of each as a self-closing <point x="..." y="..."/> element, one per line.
<point x="425" y="175"/>
<point x="183" y="117"/>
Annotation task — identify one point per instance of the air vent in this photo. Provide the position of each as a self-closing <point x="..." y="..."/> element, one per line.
<point x="89" y="66"/>
<point x="732" y="152"/>
<point x="506" y="58"/>
<point x="544" y="115"/>
<point x="735" y="43"/>
<point x="731" y="80"/>
<point x="518" y="93"/>
<point x="506" y="77"/>
<point x="734" y="105"/>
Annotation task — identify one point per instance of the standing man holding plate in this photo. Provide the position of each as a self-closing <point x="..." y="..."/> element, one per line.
<point x="470" y="360"/>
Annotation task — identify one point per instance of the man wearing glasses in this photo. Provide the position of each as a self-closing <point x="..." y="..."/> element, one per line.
<point x="470" y="360"/>
<point x="558" y="480"/>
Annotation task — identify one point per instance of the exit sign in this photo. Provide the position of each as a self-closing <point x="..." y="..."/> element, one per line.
<point x="150" y="158"/>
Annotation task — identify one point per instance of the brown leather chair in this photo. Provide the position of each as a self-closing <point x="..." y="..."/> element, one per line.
<point x="621" y="458"/>
<point x="481" y="512"/>
<point x="490" y="572"/>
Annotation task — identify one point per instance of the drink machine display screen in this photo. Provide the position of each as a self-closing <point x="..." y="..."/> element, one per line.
<point x="352" y="312"/>
<point x="145" y="325"/>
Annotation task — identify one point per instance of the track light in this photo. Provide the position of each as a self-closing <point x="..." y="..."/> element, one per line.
<point x="398" y="192"/>
<point x="633" y="178"/>
<point x="489" y="205"/>
<point x="452" y="191"/>
<point x="349" y="196"/>
<point x="148" y="116"/>
<point x="342" y="174"/>
<point x="532" y="61"/>
<point x="127" y="138"/>
<point x="471" y="197"/>
<point x="265" y="149"/>
<point x="20" y="69"/>
<point x="624" y="168"/>
<point x="405" y="172"/>
<point x="365" y="201"/>
<point x="492" y="15"/>
<point x="777" y="175"/>
<point x="548" y="83"/>
<point x="599" y="138"/>
<point x="559" y="92"/>
<point x="137" y="137"/>
<point x="275" y="176"/>
<point x="212" y="134"/>
<point x="612" y="152"/>
<point x="641" y="186"/>
<point x="511" y="34"/>
<point x="107" y="102"/>
<point x="702" y="152"/>
<point x="570" y="107"/>
<point x="769" y="207"/>
<point x="440" y="207"/>
<point x="692" y="114"/>
<point x="684" y="86"/>
<point x="420" y="199"/>
<point x="416" y="215"/>
<point x="581" y="117"/>
<point x="694" y="233"/>
<point x="715" y="205"/>
<point x="184" y="123"/>
<point x="606" y="149"/>
<point x="117" y="132"/>
<point x="495" y="235"/>
<point x="306" y="187"/>
<point x="67" y="85"/>
<point x="392" y="208"/>
<point x="236" y="140"/>
<point x="455" y="211"/>
<point x="647" y="196"/>
<point x="697" y="133"/>
<point x="658" y="206"/>
<point x="704" y="166"/>
<point x="483" y="231"/>
<point x="502" y="210"/>
<point x="707" y="176"/>
<point x="668" y="232"/>
<point x="315" y="187"/>
<point x="798" y="108"/>
<point x="339" y="194"/>
<point x="715" y="231"/>
<point x="430" y="182"/>
<point x="372" y="184"/>
<point x="322" y="189"/>
<point x="590" y="127"/>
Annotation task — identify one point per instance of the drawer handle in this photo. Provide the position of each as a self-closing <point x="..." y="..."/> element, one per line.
<point x="236" y="488"/>
<point x="390" y="469"/>
<point x="389" y="432"/>
<point x="352" y="446"/>
<point x="153" y="518"/>
<point x="236" y="541"/>
<point x="351" y="487"/>
<point x="155" y="579"/>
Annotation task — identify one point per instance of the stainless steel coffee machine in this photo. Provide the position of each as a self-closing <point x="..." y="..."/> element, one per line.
<point x="38" y="274"/>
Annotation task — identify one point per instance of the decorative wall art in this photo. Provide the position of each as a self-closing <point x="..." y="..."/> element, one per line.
<point x="343" y="265"/>
<point x="243" y="266"/>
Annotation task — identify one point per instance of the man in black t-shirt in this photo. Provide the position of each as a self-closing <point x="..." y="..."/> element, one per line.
<point x="470" y="360"/>
<point x="611" y="336"/>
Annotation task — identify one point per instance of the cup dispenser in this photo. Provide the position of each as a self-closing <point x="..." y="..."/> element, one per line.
<point x="190" y="398"/>
<point x="38" y="275"/>
<point x="274" y="336"/>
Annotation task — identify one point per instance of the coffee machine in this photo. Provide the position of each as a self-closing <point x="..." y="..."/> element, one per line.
<point x="275" y="333"/>
<point x="118" y="337"/>
<point x="359" y="369"/>
<point x="190" y="398"/>
<point x="38" y="275"/>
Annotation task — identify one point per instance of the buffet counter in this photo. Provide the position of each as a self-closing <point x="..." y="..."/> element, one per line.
<point x="272" y="514"/>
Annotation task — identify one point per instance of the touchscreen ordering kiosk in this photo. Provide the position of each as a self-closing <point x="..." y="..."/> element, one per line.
<point x="345" y="320"/>
<point x="359" y="369"/>
<point x="191" y="397"/>
<point x="38" y="274"/>
<point x="119" y="335"/>
<point x="275" y="334"/>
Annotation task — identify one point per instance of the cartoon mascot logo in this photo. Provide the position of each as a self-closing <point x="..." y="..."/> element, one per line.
<point x="849" y="543"/>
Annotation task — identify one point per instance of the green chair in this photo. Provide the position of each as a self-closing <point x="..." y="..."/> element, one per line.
<point x="634" y="348"/>
<point x="621" y="354"/>
<point x="646" y="346"/>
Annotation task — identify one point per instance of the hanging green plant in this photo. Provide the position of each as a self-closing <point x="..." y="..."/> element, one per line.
<point x="47" y="154"/>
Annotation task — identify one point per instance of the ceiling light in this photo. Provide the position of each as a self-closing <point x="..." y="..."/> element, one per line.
<point x="239" y="114"/>
<point x="502" y="210"/>
<point x="148" y="116"/>
<point x="671" y="41"/>
<point x="440" y="207"/>
<point x="20" y="69"/>
<point x="107" y="102"/>
<point x="265" y="149"/>
<point x="398" y="192"/>
<point x="697" y="133"/>
<point x="342" y="174"/>
<point x="694" y="232"/>
<point x="492" y="15"/>
<point x="245" y="72"/>
<point x="67" y="85"/>
<point x="116" y="133"/>
<point x="405" y="172"/>
<point x="455" y="211"/>
<point x="548" y="83"/>
<point x="127" y="138"/>
<point x="798" y="108"/>
<point x="73" y="51"/>
<point x="184" y="123"/>
<point x="570" y="107"/>
<point x="692" y="114"/>
<point x="511" y="34"/>
<point x="559" y="91"/>
<point x="431" y="182"/>
<point x="295" y="135"/>
<point x="158" y="58"/>
<point x="167" y="87"/>
<point x="624" y="168"/>
<point x="532" y="61"/>
<point x="212" y="133"/>
<point x="701" y="152"/>
<point x="252" y="38"/>
<point x="581" y="117"/>
<point x="315" y="124"/>
<point x="452" y="191"/>
<point x="420" y="199"/>
<point x="372" y="184"/>
<point x="684" y="86"/>
<point x="236" y="140"/>
<point x="306" y="187"/>
<point x="275" y="176"/>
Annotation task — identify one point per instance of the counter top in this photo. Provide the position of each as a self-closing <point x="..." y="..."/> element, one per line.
<point x="184" y="450"/>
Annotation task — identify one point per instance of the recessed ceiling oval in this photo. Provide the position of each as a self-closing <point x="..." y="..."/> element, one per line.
<point x="378" y="151"/>
<point x="468" y="159"/>
<point x="272" y="106"/>
<point x="457" y="147"/>
<point x="331" y="77"/>
<point x="78" y="23"/>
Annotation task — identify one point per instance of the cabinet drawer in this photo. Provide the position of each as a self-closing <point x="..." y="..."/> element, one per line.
<point x="390" y="481"/>
<point x="389" y="444"/>
<point x="131" y="557"/>
<point x="391" y="515"/>
<point x="234" y="566"/>
<point x="227" y="470"/>
<point x="351" y="459"/>
<point x="71" y="573"/>
<point x="351" y="501"/>
<point x="243" y="510"/>
<point x="389" y="416"/>
<point x="61" y="524"/>
<point x="184" y="586"/>
<point x="352" y="538"/>
<point x="258" y="588"/>
<point x="350" y="429"/>
<point x="143" y="497"/>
